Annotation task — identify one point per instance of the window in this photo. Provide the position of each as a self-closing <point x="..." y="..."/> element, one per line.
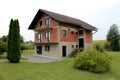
<point x="76" y="46"/>
<point x="47" y="22"/>
<point x="47" y="35"/>
<point x="47" y="47"/>
<point x="76" y="33"/>
<point x="80" y="32"/>
<point x="39" y="36"/>
<point x="40" y="23"/>
<point x="64" y="32"/>
<point x="72" y="32"/>
<point x="72" y="46"/>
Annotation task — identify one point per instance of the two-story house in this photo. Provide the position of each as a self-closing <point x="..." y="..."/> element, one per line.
<point x="58" y="35"/>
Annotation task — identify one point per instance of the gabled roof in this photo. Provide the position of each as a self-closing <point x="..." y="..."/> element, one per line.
<point x="61" y="18"/>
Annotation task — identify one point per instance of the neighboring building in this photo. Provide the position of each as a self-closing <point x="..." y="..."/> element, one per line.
<point x="58" y="35"/>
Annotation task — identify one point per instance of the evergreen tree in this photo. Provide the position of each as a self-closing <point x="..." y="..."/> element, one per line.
<point x="113" y="37"/>
<point x="13" y="53"/>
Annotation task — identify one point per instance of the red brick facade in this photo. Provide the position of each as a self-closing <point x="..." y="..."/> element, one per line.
<point x="53" y="31"/>
<point x="70" y="36"/>
<point x="88" y="35"/>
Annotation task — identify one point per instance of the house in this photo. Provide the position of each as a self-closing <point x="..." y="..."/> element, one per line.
<point x="58" y="35"/>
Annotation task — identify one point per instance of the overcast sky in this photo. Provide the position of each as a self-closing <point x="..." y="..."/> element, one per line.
<point x="99" y="13"/>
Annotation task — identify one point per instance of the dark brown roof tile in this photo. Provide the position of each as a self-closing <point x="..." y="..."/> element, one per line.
<point x="61" y="18"/>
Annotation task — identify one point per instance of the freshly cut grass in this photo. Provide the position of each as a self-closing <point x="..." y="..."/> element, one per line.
<point x="61" y="70"/>
<point x="27" y="52"/>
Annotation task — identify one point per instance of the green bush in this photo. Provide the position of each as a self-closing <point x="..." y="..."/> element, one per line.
<point x="3" y="47"/>
<point x="99" y="47"/>
<point x="92" y="61"/>
<point x="107" y="46"/>
<point x="26" y="46"/>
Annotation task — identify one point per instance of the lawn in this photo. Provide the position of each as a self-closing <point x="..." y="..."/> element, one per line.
<point x="23" y="53"/>
<point x="61" y="70"/>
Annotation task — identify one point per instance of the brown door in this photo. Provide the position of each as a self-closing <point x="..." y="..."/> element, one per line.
<point x="81" y="43"/>
<point x="64" y="51"/>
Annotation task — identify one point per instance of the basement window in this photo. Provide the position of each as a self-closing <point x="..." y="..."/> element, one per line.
<point x="47" y="47"/>
<point x="76" y="46"/>
<point x="72" y="46"/>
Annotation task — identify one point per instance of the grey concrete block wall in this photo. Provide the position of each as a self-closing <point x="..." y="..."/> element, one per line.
<point x="68" y="45"/>
<point x="53" y="50"/>
<point x="56" y="49"/>
<point x="88" y="46"/>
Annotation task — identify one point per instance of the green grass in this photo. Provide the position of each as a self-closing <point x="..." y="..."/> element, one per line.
<point x="99" y="42"/>
<point x="25" y="52"/>
<point x="62" y="70"/>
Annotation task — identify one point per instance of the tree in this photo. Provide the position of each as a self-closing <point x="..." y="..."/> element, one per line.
<point x="21" y="39"/>
<point x="2" y="47"/>
<point x="13" y="53"/>
<point x="4" y="38"/>
<point x="113" y="37"/>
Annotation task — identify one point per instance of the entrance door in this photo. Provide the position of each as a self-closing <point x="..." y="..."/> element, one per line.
<point x="39" y="49"/>
<point x="81" y="43"/>
<point x="63" y="51"/>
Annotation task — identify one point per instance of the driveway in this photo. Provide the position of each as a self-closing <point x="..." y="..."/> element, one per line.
<point x="38" y="58"/>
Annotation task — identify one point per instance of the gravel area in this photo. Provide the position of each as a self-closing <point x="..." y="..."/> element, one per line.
<point x="38" y="58"/>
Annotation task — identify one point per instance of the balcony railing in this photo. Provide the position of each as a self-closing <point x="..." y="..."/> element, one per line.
<point x="44" y="29"/>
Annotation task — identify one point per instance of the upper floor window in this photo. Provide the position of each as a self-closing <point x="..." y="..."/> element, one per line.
<point x="47" y="22"/>
<point x="72" y="32"/>
<point x="39" y="36"/>
<point x="76" y="33"/>
<point x="40" y="22"/>
<point x="80" y="32"/>
<point x="47" y="35"/>
<point x="64" y="32"/>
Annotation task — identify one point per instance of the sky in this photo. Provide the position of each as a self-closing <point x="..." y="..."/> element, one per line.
<point x="99" y="13"/>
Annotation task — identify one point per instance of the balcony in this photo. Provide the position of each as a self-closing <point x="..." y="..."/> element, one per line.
<point x="44" y="29"/>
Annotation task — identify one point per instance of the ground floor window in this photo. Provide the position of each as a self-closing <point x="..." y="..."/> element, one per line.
<point x="47" y="47"/>
<point x="72" y="46"/>
<point x="76" y="46"/>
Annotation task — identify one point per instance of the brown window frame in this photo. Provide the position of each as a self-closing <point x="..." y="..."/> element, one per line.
<point x="47" y="22"/>
<point x="40" y="23"/>
<point x="47" y="47"/>
<point x="64" y="33"/>
<point x="72" y="46"/>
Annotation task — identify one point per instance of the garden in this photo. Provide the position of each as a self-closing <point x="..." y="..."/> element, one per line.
<point x="60" y="70"/>
<point x="101" y="63"/>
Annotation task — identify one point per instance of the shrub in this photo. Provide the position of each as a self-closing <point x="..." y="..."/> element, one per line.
<point x="22" y="47"/>
<point x="107" y="46"/>
<point x="92" y="61"/>
<point x="3" y="47"/>
<point x="99" y="47"/>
